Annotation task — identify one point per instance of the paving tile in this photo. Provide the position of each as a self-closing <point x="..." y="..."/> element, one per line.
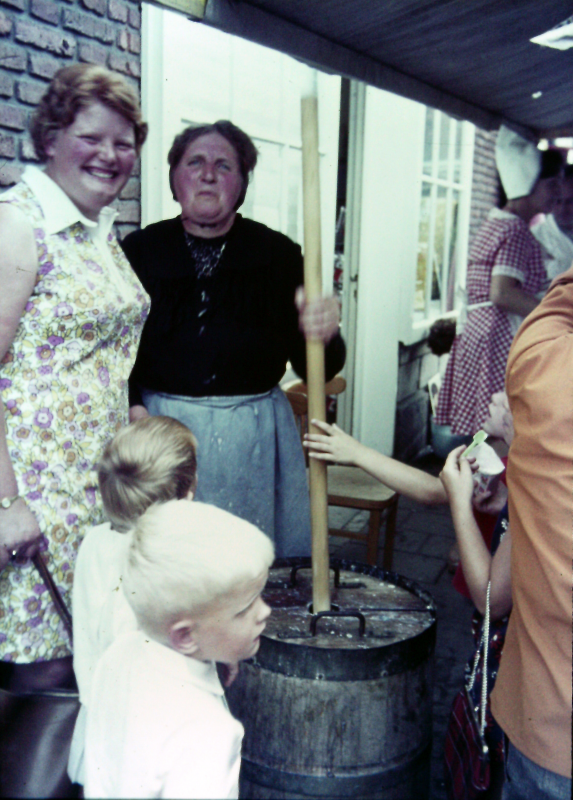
<point x="353" y="551"/>
<point x="428" y="522"/>
<point x="409" y="541"/>
<point x="340" y="517"/>
<point x="359" y="522"/>
<point x="417" y="567"/>
<point x="436" y="544"/>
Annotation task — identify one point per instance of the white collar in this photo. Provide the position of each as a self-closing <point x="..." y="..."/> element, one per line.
<point x="551" y="222"/>
<point x="202" y="674"/>
<point x="500" y="213"/>
<point x="58" y="210"/>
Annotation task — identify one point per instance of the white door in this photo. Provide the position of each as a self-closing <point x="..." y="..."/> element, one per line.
<point x="387" y="194"/>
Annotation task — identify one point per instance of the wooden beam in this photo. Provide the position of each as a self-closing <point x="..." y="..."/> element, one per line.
<point x="191" y="8"/>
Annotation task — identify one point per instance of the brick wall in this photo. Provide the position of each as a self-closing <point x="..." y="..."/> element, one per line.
<point x="485" y="183"/>
<point x="37" y="37"/>
<point x="417" y="364"/>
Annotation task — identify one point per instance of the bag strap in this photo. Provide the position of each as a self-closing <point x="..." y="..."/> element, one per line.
<point x="484" y="644"/>
<point x="61" y="607"/>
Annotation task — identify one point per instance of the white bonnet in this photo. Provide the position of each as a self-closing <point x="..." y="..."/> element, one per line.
<point x="518" y="162"/>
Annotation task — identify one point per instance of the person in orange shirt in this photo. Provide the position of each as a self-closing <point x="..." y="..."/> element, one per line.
<point x="531" y="700"/>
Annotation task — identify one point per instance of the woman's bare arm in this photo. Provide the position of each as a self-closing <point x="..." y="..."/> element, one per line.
<point x="18" y="269"/>
<point x="506" y="293"/>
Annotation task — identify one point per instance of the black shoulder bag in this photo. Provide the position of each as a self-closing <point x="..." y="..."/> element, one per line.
<point x="39" y="703"/>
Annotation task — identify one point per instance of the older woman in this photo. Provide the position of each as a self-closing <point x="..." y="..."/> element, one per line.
<point x="71" y="314"/>
<point x="222" y="327"/>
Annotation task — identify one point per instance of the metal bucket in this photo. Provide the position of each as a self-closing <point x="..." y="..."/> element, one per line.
<point x="339" y="706"/>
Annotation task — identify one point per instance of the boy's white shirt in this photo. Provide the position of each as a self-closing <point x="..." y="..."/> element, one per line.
<point x="158" y="726"/>
<point x="100" y="613"/>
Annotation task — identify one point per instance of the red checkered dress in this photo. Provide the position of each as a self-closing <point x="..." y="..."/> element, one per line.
<point x="476" y="366"/>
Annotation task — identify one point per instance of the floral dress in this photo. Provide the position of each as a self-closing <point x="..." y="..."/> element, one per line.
<point x="64" y="387"/>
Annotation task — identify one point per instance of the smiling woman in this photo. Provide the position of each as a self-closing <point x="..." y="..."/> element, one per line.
<point x="71" y="314"/>
<point x="92" y="159"/>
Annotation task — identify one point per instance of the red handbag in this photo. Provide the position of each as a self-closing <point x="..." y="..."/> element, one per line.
<point x="466" y="753"/>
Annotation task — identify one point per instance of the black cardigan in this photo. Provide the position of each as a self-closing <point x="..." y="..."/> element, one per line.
<point x="242" y="344"/>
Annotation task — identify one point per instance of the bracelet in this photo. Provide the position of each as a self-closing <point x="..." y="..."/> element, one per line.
<point x="6" y="502"/>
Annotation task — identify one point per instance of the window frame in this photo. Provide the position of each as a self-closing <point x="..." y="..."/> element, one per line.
<point x="422" y="319"/>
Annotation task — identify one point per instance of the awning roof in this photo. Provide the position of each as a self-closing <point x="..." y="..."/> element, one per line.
<point x="470" y="58"/>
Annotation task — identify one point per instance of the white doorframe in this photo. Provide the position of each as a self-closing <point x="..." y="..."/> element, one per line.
<point x="152" y="166"/>
<point x="389" y="199"/>
<point x="350" y="276"/>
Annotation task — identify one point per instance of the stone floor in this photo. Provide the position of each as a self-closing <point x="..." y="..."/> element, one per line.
<point x="424" y="536"/>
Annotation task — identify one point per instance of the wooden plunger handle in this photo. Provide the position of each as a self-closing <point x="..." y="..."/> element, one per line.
<point x="315" y="351"/>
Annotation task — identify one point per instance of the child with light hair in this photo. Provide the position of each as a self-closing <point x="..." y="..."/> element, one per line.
<point x="153" y="460"/>
<point x="158" y="724"/>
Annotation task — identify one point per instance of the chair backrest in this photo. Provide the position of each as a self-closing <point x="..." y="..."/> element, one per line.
<point x="297" y="394"/>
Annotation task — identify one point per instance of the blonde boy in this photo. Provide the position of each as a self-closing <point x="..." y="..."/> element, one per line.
<point x="158" y="725"/>
<point x="150" y="461"/>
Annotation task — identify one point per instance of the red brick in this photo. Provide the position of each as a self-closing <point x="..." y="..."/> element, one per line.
<point x="6" y="85"/>
<point x="7" y="146"/>
<point x="99" y="6"/>
<point x="129" y="211"/>
<point x="12" y="57"/>
<point x="46" y="10"/>
<point x="134" y="43"/>
<point x="19" y="4"/>
<point x="134" y="18"/>
<point x="43" y="66"/>
<point x="93" y="53"/>
<point x="12" y="117"/>
<point x="9" y="174"/>
<point x="121" y="63"/>
<point x="30" y="93"/>
<point x="122" y="40"/>
<point x="5" y="24"/>
<point x="85" y="23"/>
<point x="27" y="150"/>
<point x="117" y="10"/>
<point x="45" y="38"/>
<point x="131" y="190"/>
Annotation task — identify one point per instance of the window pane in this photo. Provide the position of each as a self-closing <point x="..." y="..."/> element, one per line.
<point x="423" y="243"/>
<point x="439" y="242"/>
<point x="429" y="140"/>
<point x="444" y="146"/>
<point x="452" y="264"/>
<point x="457" y="172"/>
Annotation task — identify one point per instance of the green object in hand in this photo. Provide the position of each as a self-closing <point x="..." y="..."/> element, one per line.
<point x="479" y="438"/>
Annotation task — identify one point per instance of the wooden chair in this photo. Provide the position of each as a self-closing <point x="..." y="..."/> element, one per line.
<point x="351" y="487"/>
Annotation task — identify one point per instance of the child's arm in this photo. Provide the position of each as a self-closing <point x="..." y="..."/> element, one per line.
<point x="337" y="446"/>
<point x="478" y="566"/>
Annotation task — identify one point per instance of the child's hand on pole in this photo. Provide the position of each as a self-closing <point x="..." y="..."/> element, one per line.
<point x="331" y="445"/>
